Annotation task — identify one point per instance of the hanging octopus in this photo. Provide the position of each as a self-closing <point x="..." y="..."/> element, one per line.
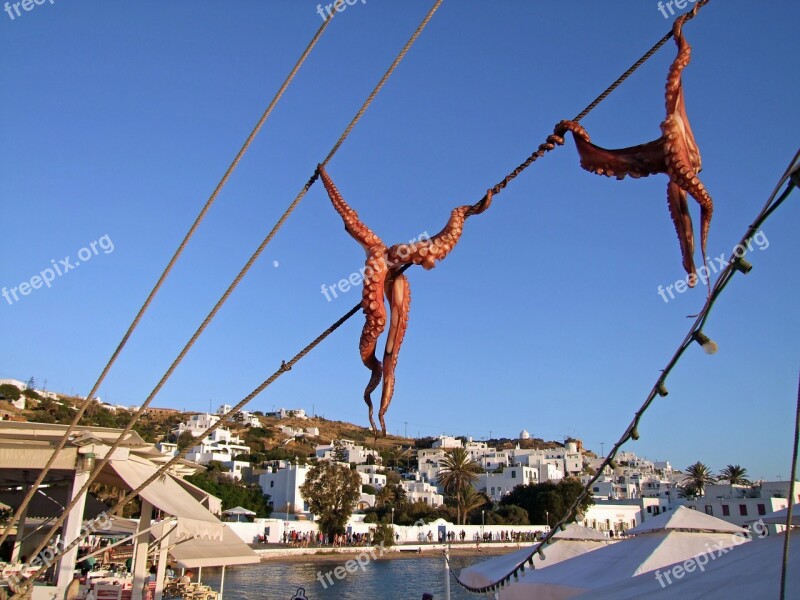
<point x="674" y="153"/>
<point x="383" y="278"/>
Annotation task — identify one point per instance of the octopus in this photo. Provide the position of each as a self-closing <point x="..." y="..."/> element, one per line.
<point x="385" y="283"/>
<point x="675" y="153"/>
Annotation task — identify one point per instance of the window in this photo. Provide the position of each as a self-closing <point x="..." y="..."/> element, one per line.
<point x="726" y="510"/>
<point x="650" y="509"/>
<point x="272" y="483"/>
<point x="513" y="474"/>
<point x="762" y="510"/>
<point x="709" y="509"/>
<point x="743" y="510"/>
<point x="595" y="489"/>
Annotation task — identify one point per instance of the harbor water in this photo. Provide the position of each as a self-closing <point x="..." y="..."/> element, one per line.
<point x="396" y="578"/>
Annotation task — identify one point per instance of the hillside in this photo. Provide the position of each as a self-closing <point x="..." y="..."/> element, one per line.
<point x="266" y="442"/>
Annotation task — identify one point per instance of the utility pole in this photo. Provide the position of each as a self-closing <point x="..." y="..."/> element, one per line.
<point x="602" y="449"/>
<point x="405" y="429"/>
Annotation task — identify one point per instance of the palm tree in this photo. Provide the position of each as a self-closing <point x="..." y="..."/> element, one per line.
<point x="468" y="500"/>
<point x="458" y="472"/>
<point x="698" y="476"/>
<point x="735" y="474"/>
<point x="384" y="496"/>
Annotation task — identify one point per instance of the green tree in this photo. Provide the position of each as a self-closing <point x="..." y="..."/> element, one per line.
<point x="547" y="501"/>
<point x="231" y="491"/>
<point x="458" y="472"/>
<point x="185" y="440"/>
<point x="331" y="490"/>
<point x="698" y="476"/>
<point x="383" y="534"/>
<point x="509" y="514"/>
<point x="339" y="452"/>
<point x="384" y="496"/>
<point x="735" y="474"/>
<point x="9" y="392"/>
<point x="468" y="500"/>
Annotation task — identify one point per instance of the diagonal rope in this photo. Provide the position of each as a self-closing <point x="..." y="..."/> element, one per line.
<point x="60" y="446"/>
<point x="734" y="264"/>
<point x="100" y="464"/>
<point x="792" y="475"/>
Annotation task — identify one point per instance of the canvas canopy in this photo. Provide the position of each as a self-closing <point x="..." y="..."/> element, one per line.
<point x="571" y="542"/>
<point x="194" y="520"/>
<point x="686" y="519"/>
<point x="752" y="570"/>
<point x="667" y="539"/>
<point x="194" y="553"/>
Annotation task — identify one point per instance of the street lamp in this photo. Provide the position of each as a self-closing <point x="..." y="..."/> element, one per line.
<point x="547" y="517"/>
<point x="483" y="522"/>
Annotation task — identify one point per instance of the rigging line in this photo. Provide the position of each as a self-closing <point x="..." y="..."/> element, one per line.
<point x="792" y="476"/>
<point x="100" y="464"/>
<point x="60" y="446"/>
<point x="631" y="432"/>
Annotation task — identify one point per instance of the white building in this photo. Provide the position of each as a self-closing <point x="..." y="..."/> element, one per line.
<point x="446" y="441"/>
<point x="371" y="475"/>
<point x="197" y="424"/>
<point x="284" y="413"/>
<point x="740" y="504"/>
<point x="167" y="448"/>
<point x="496" y="459"/>
<point x="282" y="483"/>
<point x="352" y="452"/>
<point x="497" y="485"/>
<point x="223" y="447"/>
<point x="245" y="417"/>
<point x="422" y="491"/>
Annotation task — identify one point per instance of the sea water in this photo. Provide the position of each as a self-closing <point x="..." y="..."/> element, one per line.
<point x="398" y="578"/>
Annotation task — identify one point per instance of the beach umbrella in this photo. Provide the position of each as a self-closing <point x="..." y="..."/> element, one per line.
<point x="239" y="512"/>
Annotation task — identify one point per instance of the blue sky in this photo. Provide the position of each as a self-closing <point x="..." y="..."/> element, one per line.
<point x="118" y="119"/>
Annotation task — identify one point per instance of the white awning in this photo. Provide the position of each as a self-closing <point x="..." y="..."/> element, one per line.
<point x="194" y="520"/>
<point x="191" y="554"/>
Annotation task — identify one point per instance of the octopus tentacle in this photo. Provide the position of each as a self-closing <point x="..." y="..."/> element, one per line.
<point x="679" y="211"/>
<point x="636" y="161"/>
<point x="427" y="252"/>
<point x="375" y="273"/>
<point x="399" y="295"/>
<point x="352" y="224"/>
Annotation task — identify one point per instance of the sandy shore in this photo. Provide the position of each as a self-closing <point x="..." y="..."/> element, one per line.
<point x="393" y="553"/>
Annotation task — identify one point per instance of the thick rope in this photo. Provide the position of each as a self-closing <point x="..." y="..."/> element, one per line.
<point x="792" y="476"/>
<point x="101" y="464"/>
<point x="89" y="397"/>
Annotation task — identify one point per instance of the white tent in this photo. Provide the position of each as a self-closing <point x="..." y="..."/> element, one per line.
<point x="664" y="540"/>
<point x="573" y="541"/>
<point x="750" y="571"/>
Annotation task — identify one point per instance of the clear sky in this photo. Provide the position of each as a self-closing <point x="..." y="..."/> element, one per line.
<point x="119" y="118"/>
